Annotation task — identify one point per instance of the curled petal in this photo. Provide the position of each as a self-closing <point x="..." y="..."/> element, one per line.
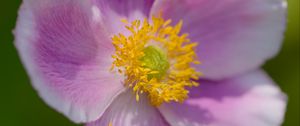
<point x="247" y="100"/>
<point x="235" y="36"/>
<point x="67" y="56"/>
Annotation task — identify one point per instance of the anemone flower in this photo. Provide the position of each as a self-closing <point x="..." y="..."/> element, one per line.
<point x="154" y="62"/>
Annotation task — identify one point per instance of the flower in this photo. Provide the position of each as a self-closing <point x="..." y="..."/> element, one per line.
<point x="135" y="62"/>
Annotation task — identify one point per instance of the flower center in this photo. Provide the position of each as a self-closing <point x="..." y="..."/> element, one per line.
<point x="156" y="60"/>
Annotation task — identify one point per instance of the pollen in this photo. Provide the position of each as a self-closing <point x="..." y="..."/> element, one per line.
<point x="156" y="60"/>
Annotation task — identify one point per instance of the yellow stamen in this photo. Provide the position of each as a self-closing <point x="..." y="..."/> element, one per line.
<point x="156" y="59"/>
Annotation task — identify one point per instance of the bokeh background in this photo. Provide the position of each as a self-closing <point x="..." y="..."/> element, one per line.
<point x="21" y="106"/>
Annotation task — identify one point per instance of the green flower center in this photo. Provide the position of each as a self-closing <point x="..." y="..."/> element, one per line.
<point x="156" y="60"/>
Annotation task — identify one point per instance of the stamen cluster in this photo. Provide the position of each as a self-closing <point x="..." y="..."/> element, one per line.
<point x="179" y="51"/>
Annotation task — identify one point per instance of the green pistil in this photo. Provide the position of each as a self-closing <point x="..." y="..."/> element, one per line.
<point x="155" y="60"/>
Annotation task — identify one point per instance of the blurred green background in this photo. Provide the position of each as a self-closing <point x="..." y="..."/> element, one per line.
<point x="20" y="105"/>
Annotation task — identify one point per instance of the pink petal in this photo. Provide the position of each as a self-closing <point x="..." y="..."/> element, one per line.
<point x="235" y="35"/>
<point x="67" y="55"/>
<point x="115" y="10"/>
<point x="125" y="8"/>
<point x="126" y="111"/>
<point x="247" y="100"/>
